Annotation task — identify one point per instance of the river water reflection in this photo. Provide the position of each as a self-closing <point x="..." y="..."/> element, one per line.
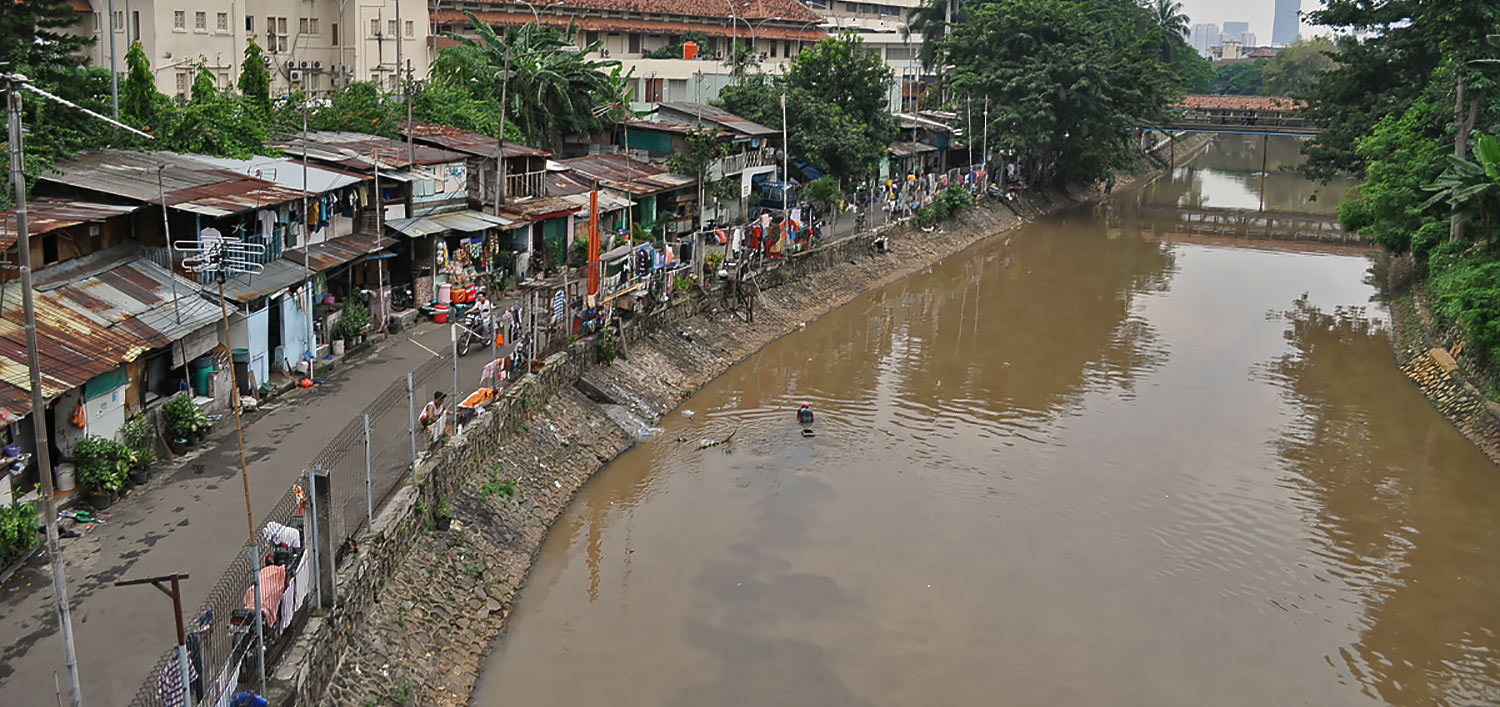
<point x="1077" y="464"/>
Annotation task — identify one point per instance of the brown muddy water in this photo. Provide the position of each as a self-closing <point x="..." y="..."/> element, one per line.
<point x="1075" y="464"/>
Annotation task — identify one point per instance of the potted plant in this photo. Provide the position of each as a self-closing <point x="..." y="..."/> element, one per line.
<point x="443" y="515"/>
<point x="352" y="322"/>
<point x="139" y="449"/>
<point x="180" y="418"/>
<point x="99" y="469"/>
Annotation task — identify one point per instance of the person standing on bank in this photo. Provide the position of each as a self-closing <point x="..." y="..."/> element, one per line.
<point x="434" y="417"/>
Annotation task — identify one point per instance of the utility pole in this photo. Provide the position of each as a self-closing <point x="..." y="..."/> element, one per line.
<point x="969" y="129"/>
<point x="312" y="337"/>
<point x="38" y="401"/>
<point x="114" y="72"/>
<point x="399" y="41"/>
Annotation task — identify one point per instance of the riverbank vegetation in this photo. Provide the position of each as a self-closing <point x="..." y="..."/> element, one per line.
<point x="1413" y="108"/>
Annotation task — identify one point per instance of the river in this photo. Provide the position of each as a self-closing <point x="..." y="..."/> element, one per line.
<point x="1080" y="463"/>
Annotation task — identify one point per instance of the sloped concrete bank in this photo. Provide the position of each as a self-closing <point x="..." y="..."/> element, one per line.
<point x="418" y="609"/>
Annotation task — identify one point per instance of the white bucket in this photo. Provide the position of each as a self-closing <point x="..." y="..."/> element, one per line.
<point x="338" y="347"/>
<point x="64" y="476"/>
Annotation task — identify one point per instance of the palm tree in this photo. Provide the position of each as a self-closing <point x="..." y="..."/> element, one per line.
<point x="1170" y="19"/>
<point x="552" y="90"/>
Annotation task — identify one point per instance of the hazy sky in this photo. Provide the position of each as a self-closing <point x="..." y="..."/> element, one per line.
<point x="1256" y="12"/>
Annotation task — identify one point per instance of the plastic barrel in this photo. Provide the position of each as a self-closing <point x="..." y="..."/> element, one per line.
<point x="440" y="313"/>
<point x="445" y="293"/>
<point x="240" y="355"/>
<point x="201" y="370"/>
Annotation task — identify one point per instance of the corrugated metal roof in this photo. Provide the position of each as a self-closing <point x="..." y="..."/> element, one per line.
<point x="537" y="209"/>
<point x="467" y="142"/>
<point x="46" y="215"/>
<point x="465" y="221"/>
<point x="907" y="149"/>
<point x="138" y="296"/>
<point x="332" y="253"/>
<point x="607" y="201"/>
<point x="686" y="112"/>
<point x="275" y="275"/>
<point x="189" y="184"/>
<point x="627" y="174"/>
<point x="288" y="172"/>
<point x="360" y="152"/>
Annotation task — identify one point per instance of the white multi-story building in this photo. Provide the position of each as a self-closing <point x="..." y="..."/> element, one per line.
<point x="311" y="45"/>
<point x="1204" y="38"/>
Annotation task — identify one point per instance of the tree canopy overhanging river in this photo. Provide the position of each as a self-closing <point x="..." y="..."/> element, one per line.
<point x="1080" y="463"/>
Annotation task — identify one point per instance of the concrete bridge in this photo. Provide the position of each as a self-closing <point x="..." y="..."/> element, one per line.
<point x="1244" y="115"/>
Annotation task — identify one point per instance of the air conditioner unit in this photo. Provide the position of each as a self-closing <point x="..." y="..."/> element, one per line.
<point x="604" y="52"/>
<point x="290" y="65"/>
<point x="306" y="64"/>
<point x="348" y="69"/>
<point x="269" y="61"/>
<point x="296" y="76"/>
<point x="317" y="66"/>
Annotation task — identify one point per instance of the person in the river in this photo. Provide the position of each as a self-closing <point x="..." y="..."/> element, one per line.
<point x="805" y="414"/>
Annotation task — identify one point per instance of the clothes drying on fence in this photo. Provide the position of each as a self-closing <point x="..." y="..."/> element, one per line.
<point x="169" y="685"/>
<point x="296" y="595"/>
<point x="487" y="378"/>
<point x="281" y="535"/>
<point x="272" y="584"/>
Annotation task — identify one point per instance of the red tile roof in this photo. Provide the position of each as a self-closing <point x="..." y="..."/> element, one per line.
<point x="810" y="33"/>
<point x="1197" y="102"/>
<point x="790" y="10"/>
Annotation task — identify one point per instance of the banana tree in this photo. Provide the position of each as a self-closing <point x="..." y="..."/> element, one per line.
<point x="1472" y="187"/>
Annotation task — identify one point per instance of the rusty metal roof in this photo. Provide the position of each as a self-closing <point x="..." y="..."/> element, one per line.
<point x="335" y="252"/>
<point x="907" y="149"/>
<point x="467" y="142"/>
<point x="275" y="275"/>
<point x="627" y="174"/>
<point x="49" y="214"/>
<point x="188" y="183"/>
<point x="538" y="209"/>
<point x="138" y="296"/>
<point x="686" y="112"/>
<point x="360" y="152"/>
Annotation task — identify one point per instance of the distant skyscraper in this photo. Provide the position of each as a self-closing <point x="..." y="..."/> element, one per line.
<point x="1204" y="38"/>
<point x="1285" y="25"/>
<point x="1232" y="28"/>
<point x="1239" y="32"/>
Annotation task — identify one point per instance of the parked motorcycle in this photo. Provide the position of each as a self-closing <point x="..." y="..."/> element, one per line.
<point x="401" y="298"/>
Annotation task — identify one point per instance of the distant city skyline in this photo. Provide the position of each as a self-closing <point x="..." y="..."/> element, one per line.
<point x="1258" y="13"/>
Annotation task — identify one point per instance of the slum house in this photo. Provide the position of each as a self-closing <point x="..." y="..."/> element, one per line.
<point x="613" y="208"/>
<point x="200" y="198"/>
<point x="325" y="253"/>
<point x="665" y="203"/>
<point x="921" y="145"/>
<point x="116" y="332"/>
<point x="507" y="249"/>
<point x="751" y="149"/>
<point x="422" y="198"/>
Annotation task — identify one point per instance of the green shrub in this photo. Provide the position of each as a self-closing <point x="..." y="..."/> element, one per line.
<point x="605" y="347"/>
<point x="17" y="531"/>
<point x="354" y="320"/>
<point x="181" y="417"/>
<point x="102" y="463"/>
<point x="1465" y="291"/>
<point x="139" y="439"/>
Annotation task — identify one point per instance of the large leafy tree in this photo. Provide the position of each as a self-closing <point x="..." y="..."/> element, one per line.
<point x="1388" y="52"/>
<point x="255" y="79"/>
<point x="1402" y="154"/>
<point x="360" y="107"/>
<point x="218" y="123"/>
<point x="1295" y="68"/>
<point x="1244" y="79"/>
<point x="836" y="112"/>
<point x="141" y="105"/>
<point x="1067" y="80"/>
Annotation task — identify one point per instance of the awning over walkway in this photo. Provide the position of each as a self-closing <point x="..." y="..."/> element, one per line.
<point x="336" y="252"/>
<point x="275" y="275"/>
<point x="463" y="221"/>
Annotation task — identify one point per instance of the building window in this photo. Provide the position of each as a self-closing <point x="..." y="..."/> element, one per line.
<point x="374" y="28"/>
<point x="222" y="22"/>
<point x="249" y="23"/>
<point x="308" y="25"/>
<point x="411" y="29"/>
<point x="179" y="20"/>
<point x="224" y="80"/>
<point x="786" y="48"/>
<point x="135" y="23"/>
<point x="590" y="38"/>
<point x="183" y="81"/>
<point x="634" y="44"/>
<point x="200" y="21"/>
<point x="118" y="22"/>
<point x="390" y="28"/>
<point x="333" y="30"/>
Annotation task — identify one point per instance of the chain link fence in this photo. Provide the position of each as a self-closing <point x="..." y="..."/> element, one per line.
<point x="366" y="461"/>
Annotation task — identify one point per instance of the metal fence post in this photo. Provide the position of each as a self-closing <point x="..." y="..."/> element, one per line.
<point x="369" y="492"/>
<point x="411" y="418"/>
<point x="454" y="341"/>
<point x="312" y="524"/>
